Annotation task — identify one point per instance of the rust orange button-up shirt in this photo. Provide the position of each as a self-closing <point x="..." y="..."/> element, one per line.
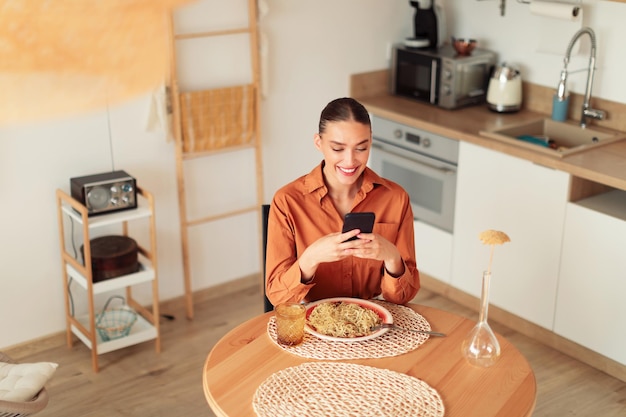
<point x="302" y="212"/>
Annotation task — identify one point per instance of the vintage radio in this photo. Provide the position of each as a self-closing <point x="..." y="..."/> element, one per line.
<point x="105" y="192"/>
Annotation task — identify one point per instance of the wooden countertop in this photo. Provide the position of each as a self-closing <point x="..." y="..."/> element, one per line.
<point x="604" y="165"/>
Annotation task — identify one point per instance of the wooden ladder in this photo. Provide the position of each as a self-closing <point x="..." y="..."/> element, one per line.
<point x="206" y="122"/>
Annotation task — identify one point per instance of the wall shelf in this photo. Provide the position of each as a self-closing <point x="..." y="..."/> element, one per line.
<point x="145" y="274"/>
<point x="142" y="331"/>
<point x="110" y="219"/>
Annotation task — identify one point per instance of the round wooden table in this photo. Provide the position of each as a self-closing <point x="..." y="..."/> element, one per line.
<point x="245" y="357"/>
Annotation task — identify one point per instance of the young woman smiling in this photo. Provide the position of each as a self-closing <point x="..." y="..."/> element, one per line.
<point x="307" y="257"/>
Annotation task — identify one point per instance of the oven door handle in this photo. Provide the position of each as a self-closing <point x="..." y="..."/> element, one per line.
<point x="445" y="171"/>
<point x="439" y="169"/>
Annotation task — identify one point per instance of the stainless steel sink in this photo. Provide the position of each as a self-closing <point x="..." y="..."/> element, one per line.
<point x="554" y="138"/>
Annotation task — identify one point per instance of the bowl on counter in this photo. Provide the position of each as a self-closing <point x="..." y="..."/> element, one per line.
<point x="463" y="46"/>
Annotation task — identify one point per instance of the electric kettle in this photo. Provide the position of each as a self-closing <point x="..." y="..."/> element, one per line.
<point x="504" y="94"/>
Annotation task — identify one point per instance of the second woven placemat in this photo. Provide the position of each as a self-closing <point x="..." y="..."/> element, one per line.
<point x="345" y="390"/>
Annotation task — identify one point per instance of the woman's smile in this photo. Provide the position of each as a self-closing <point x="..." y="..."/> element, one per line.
<point x="347" y="171"/>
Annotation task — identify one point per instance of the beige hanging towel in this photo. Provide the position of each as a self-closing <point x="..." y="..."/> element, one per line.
<point x="219" y="118"/>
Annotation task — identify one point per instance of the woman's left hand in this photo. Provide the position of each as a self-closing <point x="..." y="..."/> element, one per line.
<point x="374" y="246"/>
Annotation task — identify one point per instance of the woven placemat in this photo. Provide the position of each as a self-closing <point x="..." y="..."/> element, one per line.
<point x="392" y="343"/>
<point x="342" y="389"/>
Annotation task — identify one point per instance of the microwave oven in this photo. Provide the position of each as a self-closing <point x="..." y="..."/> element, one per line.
<point x="440" y="76"/>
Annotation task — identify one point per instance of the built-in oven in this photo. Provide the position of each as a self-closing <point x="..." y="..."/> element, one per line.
<point x="423" y="163"/>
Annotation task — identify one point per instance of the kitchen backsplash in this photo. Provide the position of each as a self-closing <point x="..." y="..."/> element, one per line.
<point x="535" y="98"/>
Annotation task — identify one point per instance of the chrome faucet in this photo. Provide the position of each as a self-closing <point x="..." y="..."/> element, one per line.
<point x="587" y="111"/>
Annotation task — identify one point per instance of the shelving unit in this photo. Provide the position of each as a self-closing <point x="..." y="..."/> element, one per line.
<point x="84" y="326"/>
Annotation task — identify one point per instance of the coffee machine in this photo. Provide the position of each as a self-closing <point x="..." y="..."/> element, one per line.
<point x="428" y="25"/>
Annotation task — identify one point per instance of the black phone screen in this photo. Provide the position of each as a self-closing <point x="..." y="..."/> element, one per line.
<point x="363" y="221"/>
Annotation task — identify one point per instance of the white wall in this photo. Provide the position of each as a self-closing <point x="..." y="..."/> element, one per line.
<point x="37" y="159"/>
<point x="313" y="48"/>
<point x="517" y="35"/>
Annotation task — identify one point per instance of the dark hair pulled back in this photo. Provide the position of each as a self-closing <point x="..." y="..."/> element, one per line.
<point x="341" y="110"/>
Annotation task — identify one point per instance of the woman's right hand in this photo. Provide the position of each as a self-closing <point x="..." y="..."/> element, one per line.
<point x="329" y="248"/>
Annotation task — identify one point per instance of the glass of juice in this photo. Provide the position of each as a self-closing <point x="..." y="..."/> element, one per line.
<point x="290" y="319"/>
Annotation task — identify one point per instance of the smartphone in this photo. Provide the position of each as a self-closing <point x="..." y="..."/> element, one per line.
<point x="363" y="221"/>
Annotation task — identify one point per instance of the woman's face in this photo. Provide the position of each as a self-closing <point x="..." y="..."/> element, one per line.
<point x="346" y="148"/>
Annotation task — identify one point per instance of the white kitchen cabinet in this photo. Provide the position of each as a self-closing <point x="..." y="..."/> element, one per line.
<point x="83" y="326"/>
<point x="433" y="251"/>
<point x="527" y="202"/>
<point x="590" y="308"/>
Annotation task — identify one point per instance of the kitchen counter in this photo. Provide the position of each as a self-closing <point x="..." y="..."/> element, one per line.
<point x="604" y="165"/>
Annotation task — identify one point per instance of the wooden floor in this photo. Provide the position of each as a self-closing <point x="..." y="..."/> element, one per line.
<point x="136" y="381"/>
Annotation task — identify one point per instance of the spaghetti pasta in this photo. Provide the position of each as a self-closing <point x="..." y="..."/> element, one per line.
<point x="342" y="319"/>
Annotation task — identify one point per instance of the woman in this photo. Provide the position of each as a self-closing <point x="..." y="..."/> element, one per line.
<point x="307" y="256"/>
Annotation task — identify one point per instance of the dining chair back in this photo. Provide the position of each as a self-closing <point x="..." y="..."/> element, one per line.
<point x="265" y="212"/>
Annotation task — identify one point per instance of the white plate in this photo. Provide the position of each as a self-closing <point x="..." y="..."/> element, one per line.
<point x="382" y="312"/>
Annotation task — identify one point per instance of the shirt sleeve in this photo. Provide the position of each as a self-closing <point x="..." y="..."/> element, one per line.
<point x="402" y="289"/>
<point x="282" y="271"/>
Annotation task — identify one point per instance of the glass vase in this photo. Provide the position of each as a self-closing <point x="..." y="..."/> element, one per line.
<point x="481" y="347"/>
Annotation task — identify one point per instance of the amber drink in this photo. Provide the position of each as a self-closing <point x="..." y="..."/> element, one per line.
<point x="290" y="323"/>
